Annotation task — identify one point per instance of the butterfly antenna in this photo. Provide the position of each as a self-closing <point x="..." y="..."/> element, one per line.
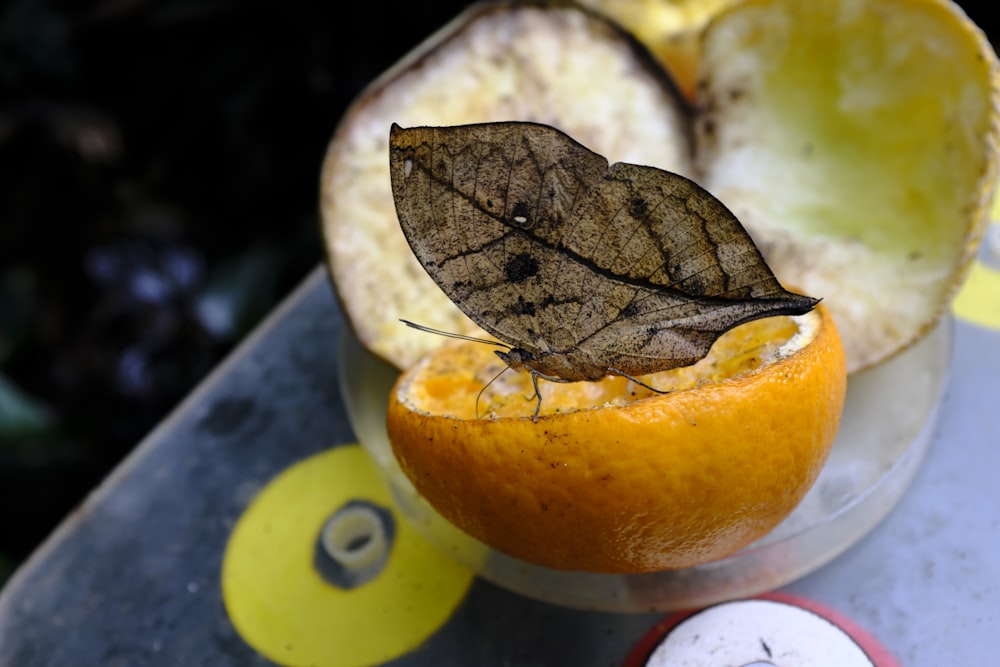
<point x="450" y="334"/>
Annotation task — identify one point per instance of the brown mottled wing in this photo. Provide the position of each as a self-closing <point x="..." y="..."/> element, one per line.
<point x="545" y="246"/>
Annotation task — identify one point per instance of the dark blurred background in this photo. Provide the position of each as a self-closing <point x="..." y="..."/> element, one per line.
<point x="159" y="165"/>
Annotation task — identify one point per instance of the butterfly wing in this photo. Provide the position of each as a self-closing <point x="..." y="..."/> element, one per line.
<point x="467" y="198"/>
<point x="548" y="248"/>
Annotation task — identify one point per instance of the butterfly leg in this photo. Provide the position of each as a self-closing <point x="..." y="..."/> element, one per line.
<point x="639" y="382"/>
<point x="538" y="395"/>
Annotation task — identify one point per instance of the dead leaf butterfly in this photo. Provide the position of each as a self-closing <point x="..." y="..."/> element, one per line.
<point x="581" y="268"/>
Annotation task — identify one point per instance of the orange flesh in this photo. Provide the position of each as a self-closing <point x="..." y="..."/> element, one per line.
<point x="450" y="380"/>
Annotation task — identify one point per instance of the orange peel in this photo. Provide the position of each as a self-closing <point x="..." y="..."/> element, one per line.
<point x="613" y="477"/>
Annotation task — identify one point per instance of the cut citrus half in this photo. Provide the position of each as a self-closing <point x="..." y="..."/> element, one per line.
<point x="857" y="142"/>
<point x="614" y="477"/>
<point x="670" y="28"/>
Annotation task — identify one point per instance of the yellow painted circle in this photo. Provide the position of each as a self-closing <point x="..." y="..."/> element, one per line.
<point x="978" y="301"/>
<point x="284" y="608"/>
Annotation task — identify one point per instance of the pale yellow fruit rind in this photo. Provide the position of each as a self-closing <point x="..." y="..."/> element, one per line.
<point x="857" y="142"/>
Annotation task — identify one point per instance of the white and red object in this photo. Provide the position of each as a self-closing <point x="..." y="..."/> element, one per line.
<point x="772" y="630"/>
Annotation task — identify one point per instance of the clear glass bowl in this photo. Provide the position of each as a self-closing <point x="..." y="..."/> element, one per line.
<point x="885" y="432"/>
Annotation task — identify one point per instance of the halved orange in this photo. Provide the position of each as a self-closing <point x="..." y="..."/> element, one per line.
<point x="614" y="477"/>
